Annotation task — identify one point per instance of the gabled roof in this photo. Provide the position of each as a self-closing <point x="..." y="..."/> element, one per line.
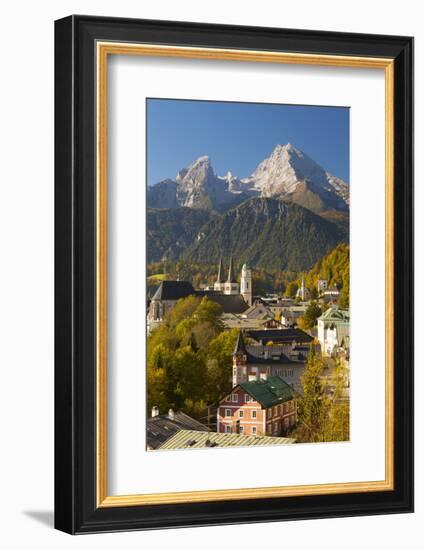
<point x="173" y="290"/>
<point x="258" y="311"/>
<point x="335" y="314"/>
<point x="264" y="355"/>
<point x="270" y="392"/>
<point x="280" y="336"/>
<point x="186" y="439"/>
<point x="268" y="355"/>
<point x="230" y="303"/>
<point x="161" y="428"/>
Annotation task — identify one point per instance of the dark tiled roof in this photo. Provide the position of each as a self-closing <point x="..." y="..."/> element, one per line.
<point x="230" y="303"/>
<point x="284" y="335"/>
<point x="269" y="355"/>
<point x="270" y="392"/>
<point x="161" y="428"/>
<point x="173" y="290"/>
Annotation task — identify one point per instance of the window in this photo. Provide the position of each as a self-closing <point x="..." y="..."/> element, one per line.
<point x="228" y="398"/>
<point x="227" y="429"/>
<point x="253" y="430"/>
<point x="241" y="413"/>
<point x="235" y="398"/>
<point x="253" y="414"/>
<point x="269" y="413"/>
<point x="227" y="412"/>
<point x="241" y="429"/>
<point x="247" y="398"/>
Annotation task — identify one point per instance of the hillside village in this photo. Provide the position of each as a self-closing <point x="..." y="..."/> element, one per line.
<point x="228" y="366"/>
<point x="248" y="305"/>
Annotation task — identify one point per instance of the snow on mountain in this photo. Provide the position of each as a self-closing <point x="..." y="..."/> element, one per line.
<point x="287" y="173"/>
<point x="281" y="174"/>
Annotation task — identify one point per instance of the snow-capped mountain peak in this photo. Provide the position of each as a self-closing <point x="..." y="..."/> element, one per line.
<point x="288" y="173"/>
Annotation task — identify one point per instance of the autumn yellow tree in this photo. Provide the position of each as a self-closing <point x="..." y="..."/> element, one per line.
<point x="313" y="406"/>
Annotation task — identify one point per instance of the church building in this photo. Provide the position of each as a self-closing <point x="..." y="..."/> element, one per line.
<point x="225" y="293"/>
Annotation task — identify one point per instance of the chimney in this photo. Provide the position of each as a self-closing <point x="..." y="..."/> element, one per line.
<point x="171" y="414"/>
<point x="155" y="411"/>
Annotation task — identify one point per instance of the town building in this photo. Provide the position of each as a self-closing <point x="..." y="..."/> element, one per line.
<point x="303" y="292"/>
<point x="259" y="362"/>
<point x="290" y="315"/>
<point x="220" y="279"/>
<point x="225" y="293"/>
<point x="187" y="439"/>
<point x="231" y="285"/>
<point x="258" y="407"/>
<point x="258" y="310"/>
<point x="159" y="428"/>
<point x="246" y="284"/>
<point x="280" y="336"/>
<point x="333" y="330"/>
<point x="331" y="294"/>
<point x="321" y="286"/>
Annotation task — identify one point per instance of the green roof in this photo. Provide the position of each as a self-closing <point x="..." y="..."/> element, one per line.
<point x="335" y="314"/>
<point x="191" y="439"/>
<point x="272" y="391"/>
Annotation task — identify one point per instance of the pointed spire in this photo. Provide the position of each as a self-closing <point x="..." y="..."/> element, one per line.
<point x="240" y="346"/>
<point x="231" y="276"/>
<point x="220" y="278"/>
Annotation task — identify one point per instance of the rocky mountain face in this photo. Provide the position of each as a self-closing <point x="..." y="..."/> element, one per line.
<point x="264" y="232"/>
<point x="287" y="174"/>
<point x="197" y="186"/>
<point x="170" y="231"/>
<point x="267" y="233"/>
<point x="291" y="175"/>
<point x="286" y="215"/>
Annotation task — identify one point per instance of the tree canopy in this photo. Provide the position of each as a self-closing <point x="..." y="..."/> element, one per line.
<point x="323" y="410"/>
<point x="189" y="358"/>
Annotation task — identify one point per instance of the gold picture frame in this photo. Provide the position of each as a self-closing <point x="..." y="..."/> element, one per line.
<point x="83" y="46"/>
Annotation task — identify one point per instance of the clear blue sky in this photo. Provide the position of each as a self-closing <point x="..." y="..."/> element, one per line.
<point x="237" y="136"/>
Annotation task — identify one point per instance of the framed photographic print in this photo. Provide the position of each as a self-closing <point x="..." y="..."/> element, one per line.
<point x="233" y="274"/>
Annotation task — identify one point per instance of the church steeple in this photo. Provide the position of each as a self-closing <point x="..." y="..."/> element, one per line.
<point x="219" y="284"/>
<point x="231" y="285"/>
<point x="246" y="284"/>
<point x="240" y="346"/>
<point x="239" y="361"/>
<point x="220" y="278"/>
<point x="231" y="276"/>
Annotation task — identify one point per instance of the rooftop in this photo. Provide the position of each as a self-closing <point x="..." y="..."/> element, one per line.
<point x="187" y="439"/>
<point x="270" y="392"/>
<point x="283" y="335"/>
<point x="161" y="428"/>
<point x="335" y="314"/>
<point x="173" y="290"/>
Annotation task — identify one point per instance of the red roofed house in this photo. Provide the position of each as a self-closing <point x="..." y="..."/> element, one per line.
<point x="258" y="407"/>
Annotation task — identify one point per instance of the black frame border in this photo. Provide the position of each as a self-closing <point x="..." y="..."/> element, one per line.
<point x="75" y="274"/>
